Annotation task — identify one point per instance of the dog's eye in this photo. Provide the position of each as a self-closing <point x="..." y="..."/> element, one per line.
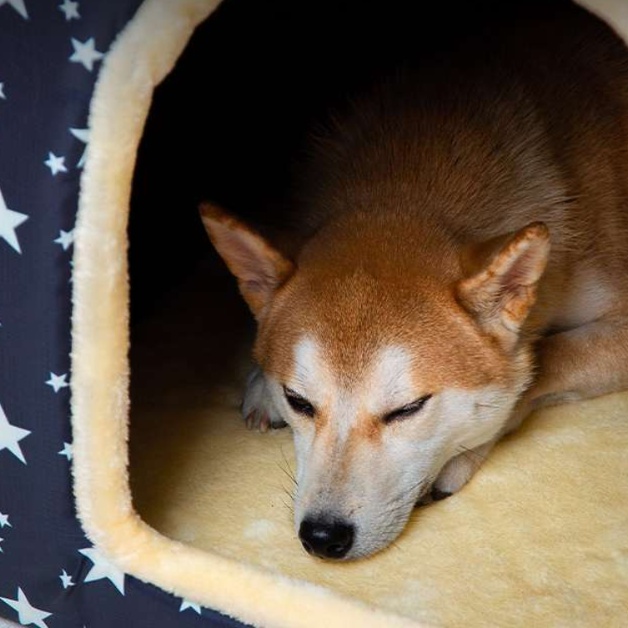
<point x="299" y="404"/>
<point x="407" y="410"/>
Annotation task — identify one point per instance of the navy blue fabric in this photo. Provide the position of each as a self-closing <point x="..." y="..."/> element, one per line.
<point x="50" y="54"/>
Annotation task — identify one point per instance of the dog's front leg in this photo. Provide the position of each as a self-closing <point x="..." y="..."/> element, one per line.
<point x="258" y="408"/>
<point x="582" y="363"/>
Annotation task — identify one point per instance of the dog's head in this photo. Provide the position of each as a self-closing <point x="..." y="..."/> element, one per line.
<point x="385" y="368"/>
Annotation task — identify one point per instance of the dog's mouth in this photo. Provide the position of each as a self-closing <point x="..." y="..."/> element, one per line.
<point x="334" y="538"/>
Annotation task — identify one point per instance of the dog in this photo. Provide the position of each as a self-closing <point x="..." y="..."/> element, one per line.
<point x="463" y="262"/>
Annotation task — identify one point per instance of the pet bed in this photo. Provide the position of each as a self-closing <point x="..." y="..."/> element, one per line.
<point x="200" y="532"/>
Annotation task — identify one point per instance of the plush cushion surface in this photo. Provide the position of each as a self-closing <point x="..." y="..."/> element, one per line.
<point x="539" y="536"/>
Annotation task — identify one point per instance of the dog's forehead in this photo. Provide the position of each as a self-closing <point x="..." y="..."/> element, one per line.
<point x="390" y="381"/>
<point x="310" y="367"/>
<point x="384" y="374"/>
<point x="391" y="370"/>
<point x="342" y="335"/>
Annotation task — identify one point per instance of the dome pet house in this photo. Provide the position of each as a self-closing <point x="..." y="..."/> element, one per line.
<point x="197" y="534"/>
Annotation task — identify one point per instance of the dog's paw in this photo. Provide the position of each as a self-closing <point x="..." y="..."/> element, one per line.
<point x="455" y="474"/>
<point x="258" y="409"/>
<point x="458" y="471"/>
<point x="434" y="494"/>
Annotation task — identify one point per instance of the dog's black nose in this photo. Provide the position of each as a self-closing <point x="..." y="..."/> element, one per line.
<point x="326" y="539"/>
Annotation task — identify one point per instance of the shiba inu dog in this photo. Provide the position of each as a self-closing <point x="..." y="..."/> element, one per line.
<point x="464" y="262"/>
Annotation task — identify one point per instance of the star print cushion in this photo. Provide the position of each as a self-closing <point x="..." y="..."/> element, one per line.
<point x="51" y="576"/>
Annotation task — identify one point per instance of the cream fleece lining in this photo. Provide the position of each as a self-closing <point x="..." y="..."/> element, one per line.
<point x="541" y="531"/>
<point x="144" y="53"/>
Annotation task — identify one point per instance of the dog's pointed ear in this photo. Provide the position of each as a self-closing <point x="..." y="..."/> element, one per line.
<point x="501" y="292"/>
<point x="259" y="268"/>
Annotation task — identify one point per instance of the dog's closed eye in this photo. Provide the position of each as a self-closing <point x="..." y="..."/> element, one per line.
<point x="298" y="403"/>
<point x="406" y="411"/>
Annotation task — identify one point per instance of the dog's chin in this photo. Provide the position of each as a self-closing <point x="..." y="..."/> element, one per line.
<point x="370" y="546"/>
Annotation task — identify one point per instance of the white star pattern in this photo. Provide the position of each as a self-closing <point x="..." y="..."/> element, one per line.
<point x="10" y="436"/>
<point x="55" y="163"/>
<point x="70" y="9"/>
<point x="103" y="569"/>
<point x="57" y="382"/>
<point x="66" y="580"/>
<point x="65" y="239"/>
<point x="85" y="53"/>
<point x="66" y="451"/>
<point x="83" y="136"/>
<point x="60" y="98"/>
<point x="18" y="5"/>
<point x="9" y="222"/>
<point x="27" y="614"/>
<point x="187" y="604"/>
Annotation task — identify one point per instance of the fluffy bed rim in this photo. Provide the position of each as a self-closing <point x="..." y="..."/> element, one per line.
<point x="141" y="57"/>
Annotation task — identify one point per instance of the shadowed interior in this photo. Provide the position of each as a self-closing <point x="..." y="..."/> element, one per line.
<point x="536" y="535"/>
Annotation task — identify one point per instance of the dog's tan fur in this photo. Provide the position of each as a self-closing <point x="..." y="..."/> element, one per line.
<point x="472" y="215"/>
